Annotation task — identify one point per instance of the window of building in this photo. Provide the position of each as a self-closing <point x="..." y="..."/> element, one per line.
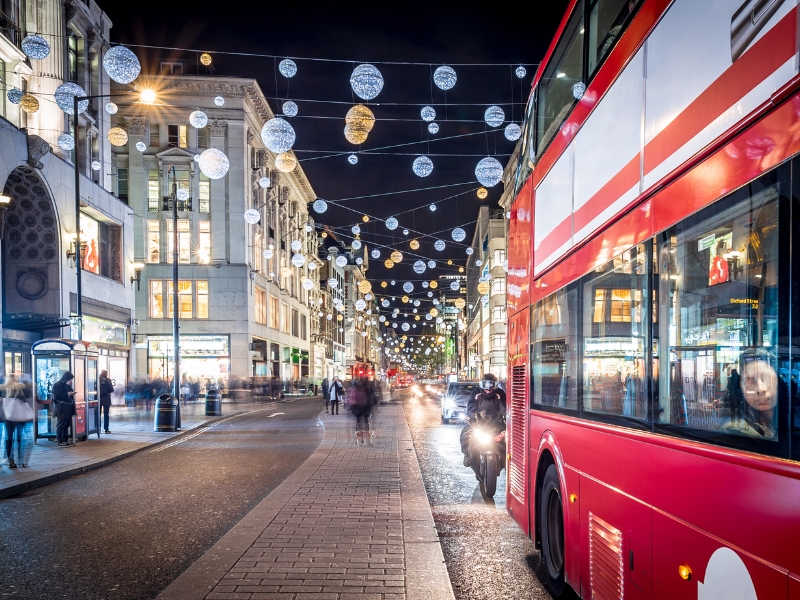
<point x="191" y="294"/>
<point x="153" y="241"/>
<point x="295" y="323"/>
<point x="204" y="194"/>
<point x="202" y="299"/>
<point x="284" y="318"/>
<point x="274" y="311"/>
<point x="72" y="56"/>
<point x="178" y="136"/>
<point x="103" y="248"/>
<point x="184" y="241"/>
<point x="204" y="241"/>
<point x="153" y="191"/>
<point x="498" y="341"/>
<point x="498" y="286"/>
<point x="171" y="68"/>
<point x="261" y="306"/>
<point x="258" y="249"/>
<point x="498" y="314"/>
<point x="498" y="258"/>
<point x="122" y="185"/>
<point x="203" y="138"/>
<point x="303" y="327"/>
<point x="155" y="138"/>
<point x="156" y="299"/>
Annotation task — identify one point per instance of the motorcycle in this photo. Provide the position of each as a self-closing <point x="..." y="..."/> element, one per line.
<point x="487" y="448"/>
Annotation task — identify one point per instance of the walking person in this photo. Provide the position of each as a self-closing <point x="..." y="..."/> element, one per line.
<point x="360" y="402"/>
<point x="64" y="402"/>
<point x="325" y="388"/>
<point x="335" y="394"/>
<point x="106" y="389"/>
<point x="18" y="412"/>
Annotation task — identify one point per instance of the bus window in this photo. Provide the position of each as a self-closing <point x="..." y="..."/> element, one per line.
<point x="719" y="278"/>
<point x="607" y="20"/>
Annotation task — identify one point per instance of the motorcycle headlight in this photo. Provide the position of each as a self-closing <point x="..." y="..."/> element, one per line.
<point x="482" y="436"/>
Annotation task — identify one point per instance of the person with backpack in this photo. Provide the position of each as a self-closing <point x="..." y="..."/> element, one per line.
<point x="360" y="403"/>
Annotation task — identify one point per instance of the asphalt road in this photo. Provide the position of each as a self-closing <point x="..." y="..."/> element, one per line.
<point x="126" y="531"/>
<point x="487" y="554"/>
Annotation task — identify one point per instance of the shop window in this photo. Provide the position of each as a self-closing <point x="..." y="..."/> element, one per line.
<point x="153" y="191"/>
<point x="204" y="242"/>
<point x="103" y="253"/>
<point x="178" y="136"/>
<point x="202" y="299"/>
<point x="261" y="306"/>
<point x="607" y="20"/>
<point x="204" y="194"/>
<point x="295" y="323"/>
<point x="498" y="286"/>
<point x="274" y="311"/>
<point x="156" y="299"/>
<point x="153" y="241"/>
<point x="184" y="241"/>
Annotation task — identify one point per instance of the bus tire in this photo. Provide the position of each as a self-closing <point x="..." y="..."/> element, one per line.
<point x="551" y="519"/>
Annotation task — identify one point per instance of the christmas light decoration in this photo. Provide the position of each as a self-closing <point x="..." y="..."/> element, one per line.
<point x="278" y="135"/>
<point x="366" y="81"/>
<point x="494" y="116"/>
<point x="513" y="132"/>
<point x="213" y="163"/>
<point x="35" y="46"/>
<point x="64" y="95"/>
<point x="489" y="171"/>
<point x="422" y="166"/>
<point x="117" y="136"/>
<point x="289" y="108"/>
<point x="121" y="64"/>
<point x="252" y="216"/>
<point x="444" y="77"/>
<point x="320" y="206"/>
<point x="458" y="234"/>
<point x="287" y="68"/>
<point x="198" y="119"/>
<point x="285" y="162"/>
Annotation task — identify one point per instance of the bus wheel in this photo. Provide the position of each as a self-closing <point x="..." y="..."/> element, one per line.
<point x="551" y="519"/>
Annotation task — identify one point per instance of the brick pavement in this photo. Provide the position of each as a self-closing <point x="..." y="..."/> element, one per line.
<point x="351" y="523"/>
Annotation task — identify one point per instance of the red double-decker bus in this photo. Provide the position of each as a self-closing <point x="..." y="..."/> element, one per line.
<point x="654" y="328"/>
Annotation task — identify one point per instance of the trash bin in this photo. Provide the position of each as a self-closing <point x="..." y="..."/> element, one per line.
<point x="166" y="413"/>
<point x="213" y="403"/>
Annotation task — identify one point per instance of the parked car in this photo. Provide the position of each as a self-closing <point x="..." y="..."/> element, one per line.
<point x="454" y="401"/>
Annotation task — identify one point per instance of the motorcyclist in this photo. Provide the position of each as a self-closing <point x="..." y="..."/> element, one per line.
<point x="487" y="397"/>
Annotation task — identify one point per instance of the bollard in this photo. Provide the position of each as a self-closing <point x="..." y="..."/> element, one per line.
<point x="213" y="403"/>
<point x="165" y="413"/>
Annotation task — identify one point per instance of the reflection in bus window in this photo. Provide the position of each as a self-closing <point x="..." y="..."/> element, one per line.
<point x="719" y="275"/>
<point x="607" y="21"/>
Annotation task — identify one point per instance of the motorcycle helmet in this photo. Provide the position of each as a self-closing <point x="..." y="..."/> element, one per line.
<point x="488" y="382"/>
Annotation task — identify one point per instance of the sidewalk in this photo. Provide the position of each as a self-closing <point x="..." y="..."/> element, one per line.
<point x="350" y="523"/>
<point x="132" y="431"/>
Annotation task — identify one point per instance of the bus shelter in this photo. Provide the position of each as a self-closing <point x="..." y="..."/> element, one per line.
<point x="51" y="359"/>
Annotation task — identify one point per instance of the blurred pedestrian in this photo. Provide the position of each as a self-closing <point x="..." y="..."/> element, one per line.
<point x="335" y="394"/>
<point x="64" y="402"/>
<point x="18" y="412"/>
<point x="325" y="388"/>
<point x="360" y="402"/>
<point x="106" y="389"/>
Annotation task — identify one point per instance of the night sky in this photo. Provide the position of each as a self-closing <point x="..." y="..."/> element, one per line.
<point x="430" y="33"/>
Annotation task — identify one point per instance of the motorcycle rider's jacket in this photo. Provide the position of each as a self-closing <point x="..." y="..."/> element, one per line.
<point x="482" y="400"/>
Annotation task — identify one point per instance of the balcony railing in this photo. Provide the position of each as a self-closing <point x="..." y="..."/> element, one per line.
<point x="10" y="29"/>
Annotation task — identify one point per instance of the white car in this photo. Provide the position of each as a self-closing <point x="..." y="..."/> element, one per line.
<point x="455" y="398"/>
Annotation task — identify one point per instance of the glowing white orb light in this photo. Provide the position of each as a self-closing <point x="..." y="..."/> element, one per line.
<point x="439" y="245"/>
<point x="64" y="95"/>
<point x="419" y="266"/>
<point x="578" y="90"/>
<point x="427" y="113"/>
<point x="307" y="284"/>
<point x="408" y="287"/>
<point x="391" y="223"/>
<point x="355" y="229"/>
<point x="213" y="163"/>
<point x="489" y="171"/>
<point x="423" y="166"/>
<point x="458" y="234"/>
<point x="341" y="260"/>
<point x="219" y="101"/>
<point x="405" y="326"/>
<point x="288" y="68"/>
<point x="263" y="183"/>
<point x="356" y="244"/>
<point x="14" y="95"/>
<point x="360" y="304"/>
<point x="494" y="116"/>
<point x="320" y="206"/>
<point x="278" y="135"/>
<point x="405" y="231"/>
<point x="298" y="260"/>
<point x="95" y="165"/>
<point x="521" y="71"/>
<point x="432" y="207"/>
<point x="66" y="141"/>
<point x="198" y="119"/>
<point x="352" y="159"/>
<point x="141" y="146"/>
<point x="375" y="253"/>
<point x="268" y="253"/>
<point x="444" y="77"/>
<point x="289" y="108"/>
<point x="35" y="47"/>
<point x="470" y="250"/>
<point x="455" y="286"/>
<point x="111" y="108"/>
<point x="182" y="195"/>
<point x="296" y="245"/>
<point x="431" y="264"/>
<point x="311" y="266"/>
<point x="252" y="216"/>
<point x="121" y="64"/>
<point x="478" y="262"/>
<point x="513" y="132"/>
<point x="333" y="283"/>
<point x="433" y="128"/>
<point x="366" y="81"/>
<point x="359" y="261"/>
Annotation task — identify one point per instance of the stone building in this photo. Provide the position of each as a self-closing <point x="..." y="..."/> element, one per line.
<point x="243" y="306"/>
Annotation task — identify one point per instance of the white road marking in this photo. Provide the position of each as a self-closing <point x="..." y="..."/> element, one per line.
<point x="204" y="429"/>
<point x="275" y="415"/>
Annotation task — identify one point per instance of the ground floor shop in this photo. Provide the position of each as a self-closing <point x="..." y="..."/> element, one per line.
<point x="205" y="359"/>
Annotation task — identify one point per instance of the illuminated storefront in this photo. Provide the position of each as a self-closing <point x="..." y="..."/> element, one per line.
<point x="204" y="358"/>
<point x="113" y="344"/>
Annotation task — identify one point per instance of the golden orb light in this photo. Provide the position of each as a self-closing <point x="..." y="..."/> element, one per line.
<point x="364" y="286"/>
<point x="482" y="193"/>
<point x="339" y="318"/>
<point x="460" y="269"/>
<point x="354" y="136"/>
<point x="361" y="117"/>
<point x="450" y="262"/>
<point x="285" y="162"/>
<point x="205" y="59"/>
<point x="117" y="136"/>
<point x="416" y="317"/>
<point x="29" y="103"/>
<point x="434" y="285"/>
<point x="483" y="287"/>
<point x="323" y="235"/>
<point x="396" y="256"/>
<point x="365" y="218"/>
<point x="434" y="312"/>
<point x="460" y="303"/>
<point x="404" y="299"/>
<point x="388" y="263"/>
<point x="383" y="283"/>
<point x="402" y="345"/>
<point x="414" y="244"/>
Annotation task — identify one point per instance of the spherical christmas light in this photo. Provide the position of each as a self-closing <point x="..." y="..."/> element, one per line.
<point x="366" y="81"/>
<point x="433" y="128"/>
<point x="458" y="234"/>
<point x="355" y="229"/>
<point x="432" y="207"/>
<point x="278" y="135"/>
<point x="296" y="245"/>
<point x="263" y="183"/>
<point x="431" y="264"/>
<point x="268" y="253"/>
<point x="395" y="326"/>
<point x="478" y="262"/>
<point x="388" y="263"/>
<point x="66" y="141"/>
<point x="455" y="286"/>
<point x="111" y="108"/>
<point x="252" y="216"/>
<point x="311" y="266"/>
<point x="425" y="284"/>
<point x="141" y="146"/>
<point x="494" y="116"/>
<point x="391" y="223"/>
<point x="30" y="104"/>
<point x="356" y="244"/>
<point x="408" y="287"/>
<point x="578" y="90"/>
<point x="64" y="96"/>
<point x="308" y="284"/>
<point x="439" y="245"/>
<point x="434" y="285"/>
<point x="489" y="171"/>
<point x="513" y="132"/>
<point x="423" y="166"/>
<point x="285" y="162"/>
<point x="333" y="283"/>
<point x="182" y="194"/>
<point x="483" y="288"/>
<point x="289" y="108"/>
<point x="414" y="244"/>
<point x="419" y="266"/>
<point x="117" y="136"/>
<point x="482" y="193"/>
<point x="444" y="77"/>
<point x="298" y="260"/>
<point x="121" y="65"/>
<point x="364" y="286"/>
<point x="341" y="260"/>
<point x="213" y="163"/>
<point x="205" y="59"/>
<point x="428" y="113"/>
<point x="521" y="71"/>
<point x="396" y="256"/>
<point x="288" y="68"/>
<point x="320" y="206"/>
<point x="352" y="159"/>
<point x="405" y="231"/>
<point x="35" y="47"/>
<point x="198" y="119"/>
<point x="470" y="250"/>
<point x="96" y="165"/>
<point x="460" y="303"/>
<point x="219" y="101"/>
<point x="375" y="253"/>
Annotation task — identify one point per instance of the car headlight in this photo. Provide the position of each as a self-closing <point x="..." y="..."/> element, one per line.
<point x="449" y="403"/>
<point x="482" y="436"/>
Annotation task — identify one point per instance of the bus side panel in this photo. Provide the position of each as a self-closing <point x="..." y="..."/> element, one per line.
<point x="520" y="236"/>
<point x="794" y="586"/>
<point x="517" y="466"/>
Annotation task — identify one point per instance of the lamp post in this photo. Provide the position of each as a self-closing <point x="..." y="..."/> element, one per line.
<point x="176" y="371"/>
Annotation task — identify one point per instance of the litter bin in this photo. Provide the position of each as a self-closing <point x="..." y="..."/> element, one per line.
<point x="213" y="403"/>
<point x="166" y="413"/>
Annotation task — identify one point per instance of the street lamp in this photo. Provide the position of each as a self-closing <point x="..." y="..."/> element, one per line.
<point x="137" y="278"/>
